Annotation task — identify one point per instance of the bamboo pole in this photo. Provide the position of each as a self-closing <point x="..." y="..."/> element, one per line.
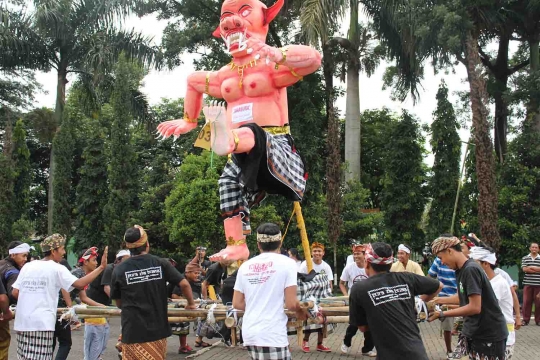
<point x="303" y="235"/>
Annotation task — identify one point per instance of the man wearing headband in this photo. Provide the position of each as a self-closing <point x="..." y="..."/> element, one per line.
<point x="36" y="290"/>
<point x="321" y="267"/>
<point x="192" y="274"/>
<point x="350" y="258"/>
<point x="384" y="304"/>
<point x="200" y="255"/>
<point x="447" y="277"/>
<point x="96" y="331"/>
<point x="263" y="284"/>
<point x="139" y="286"/>
<point x="484" y="326"/>
<point x="353" y="273"/>
<point x="9" y="271"/>
<point x="404" y="263"/>
<point x="487" y="259"/>
<point x="121" y="256"/>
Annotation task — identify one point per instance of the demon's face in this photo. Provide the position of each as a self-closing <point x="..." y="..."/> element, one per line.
<point x="242" y="19"/>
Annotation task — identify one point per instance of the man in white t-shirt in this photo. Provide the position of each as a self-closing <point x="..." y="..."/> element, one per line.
<point x="321" y="267"/>
<point x="487" y="260"/>
<point x="37" y="289"/>
<point x="352" y="274"/>
<point x="263" y="284"/>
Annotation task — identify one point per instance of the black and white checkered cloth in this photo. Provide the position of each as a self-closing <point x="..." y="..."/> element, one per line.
<point x="181" y="328"/>
<point x="316" y="288"/>
<point x="35" y="345"/>
<point x="283" y="163"/>
<point x="269" y="353"/>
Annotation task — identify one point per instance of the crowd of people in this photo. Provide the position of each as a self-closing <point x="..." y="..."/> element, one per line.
<point x="470" y="295"/>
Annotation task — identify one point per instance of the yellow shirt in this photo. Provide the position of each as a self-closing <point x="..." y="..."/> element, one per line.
<point x="411" y="267"/>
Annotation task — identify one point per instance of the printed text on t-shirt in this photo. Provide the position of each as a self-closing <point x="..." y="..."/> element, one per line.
<point x="385" y="294"/>
<point x="34" y="285"/>
<point x="143" y="275"/>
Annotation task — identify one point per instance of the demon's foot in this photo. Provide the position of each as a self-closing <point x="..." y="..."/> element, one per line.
<point x="232" y="253"/>
<point x="222" y="138"/>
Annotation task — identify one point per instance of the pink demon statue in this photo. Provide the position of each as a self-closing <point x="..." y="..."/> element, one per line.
<point x="254" y="127"/>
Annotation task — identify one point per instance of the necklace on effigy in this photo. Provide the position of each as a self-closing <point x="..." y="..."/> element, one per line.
<point x="240" y="69"/>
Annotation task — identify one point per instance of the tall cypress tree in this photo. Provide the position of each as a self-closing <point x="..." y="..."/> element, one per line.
<point x="404" y="195"/>
<point x="446" y="146"/>
<point x="122" y="168"/>
<point x="64" y="144"/>
<point x="92" y="190"/>
<point x="23" y="176"/>
<point x="7" y="175"/>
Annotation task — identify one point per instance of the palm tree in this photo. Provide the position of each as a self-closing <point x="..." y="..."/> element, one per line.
<point x="72" y="37"/>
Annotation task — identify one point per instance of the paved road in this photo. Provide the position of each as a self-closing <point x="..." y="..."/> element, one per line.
<point x="527" y="346"/>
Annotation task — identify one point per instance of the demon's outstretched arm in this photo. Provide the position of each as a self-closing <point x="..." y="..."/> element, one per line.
<point x="294" y="62"/>
<point x="199" y="83"/>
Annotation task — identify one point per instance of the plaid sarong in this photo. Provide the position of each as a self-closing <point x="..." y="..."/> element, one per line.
<point x="269" y="353"/>
<point x="316" y="288"/>
<point x="154" y="350"/>
<point x="35" y="345"/>
<point x="284" y="164"/>
<point x="180" y="328"/>
<point x="480" y="350"/>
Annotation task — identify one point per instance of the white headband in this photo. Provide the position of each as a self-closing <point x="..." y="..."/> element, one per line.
<point x="402" y="247"/>
<point x="21" y="249"/>
<point x="483" y="254"/>
<point x="123" y="253"/>
<point x="268" y="238"/>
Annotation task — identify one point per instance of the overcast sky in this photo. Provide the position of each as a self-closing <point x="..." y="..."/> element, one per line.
<point x="172" y="84"/>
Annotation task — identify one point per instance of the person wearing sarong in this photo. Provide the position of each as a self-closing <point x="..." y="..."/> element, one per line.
<point x="36" y="290"/>
<point x="263" y="284"/>
<point x="9" y="271"/>
<point x="139" y="287"/>
<point x="5" y="315"/>
<point x="192" y="274"/>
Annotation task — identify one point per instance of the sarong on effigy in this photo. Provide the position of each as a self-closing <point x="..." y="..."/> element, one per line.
<point x="273" y="166"/>
<point x="154" y="350"/>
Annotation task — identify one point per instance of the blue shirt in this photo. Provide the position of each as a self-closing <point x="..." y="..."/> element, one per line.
<point x="445" y="275"/>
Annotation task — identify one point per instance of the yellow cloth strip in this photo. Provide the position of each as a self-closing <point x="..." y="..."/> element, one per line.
<point x="96" y="321"/>
<point x="278" y="130"/>
<point x="510" y="327"/>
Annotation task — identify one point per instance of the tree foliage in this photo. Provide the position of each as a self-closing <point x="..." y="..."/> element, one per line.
<point x="405" y="193"/>
<point x="446" y="146"/>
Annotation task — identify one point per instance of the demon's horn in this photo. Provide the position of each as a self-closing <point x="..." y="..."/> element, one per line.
<point x="271" y="13"/>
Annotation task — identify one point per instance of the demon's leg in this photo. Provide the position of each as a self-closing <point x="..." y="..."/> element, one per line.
<point x="225" y="141"/>
<point x="234" y="207"/>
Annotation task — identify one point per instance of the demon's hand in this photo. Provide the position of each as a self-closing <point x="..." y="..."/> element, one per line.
<point x="261" y="50"/>
<point x="175" y="128"/>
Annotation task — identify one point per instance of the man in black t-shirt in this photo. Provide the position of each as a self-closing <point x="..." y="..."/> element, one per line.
<point x="484" y="326"/>
<point x="384" y="305"/>
<point x="121" y="255"/>
<point x="139" y="286"/>
<point x="217" y="272"/>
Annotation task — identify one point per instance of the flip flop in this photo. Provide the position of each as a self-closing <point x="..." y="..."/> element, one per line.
<point x="202" y="344"/>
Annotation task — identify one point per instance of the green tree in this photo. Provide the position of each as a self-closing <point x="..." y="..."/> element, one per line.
<point x="404" y="196"/>
<point x="7" y="176"/>
<point x="192" y="208"/>
<point x="92" y="190"/>
<point x="446" y="146"/>
<point x="23" y="176"/>
<point x="376" y="130"/>
<point x="78" y="37"/>
<point x="122" y="163"/>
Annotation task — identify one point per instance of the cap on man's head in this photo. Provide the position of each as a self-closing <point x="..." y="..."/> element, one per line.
<point x="53" y="242"/>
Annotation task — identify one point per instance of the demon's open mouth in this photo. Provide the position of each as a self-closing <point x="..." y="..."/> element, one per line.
<point x="236" y="40"/>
